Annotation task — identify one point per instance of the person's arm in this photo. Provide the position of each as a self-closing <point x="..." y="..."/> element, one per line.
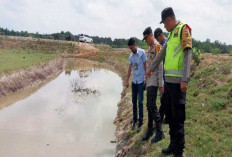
<point x="161" y="78"/>
<point x="128" y="75"/>
<point x="144" y="58"/>
<point x="159" y="58"/>
<point x="187" y="66"/>
<point x="145" y="69"/>
<point x="186" y="41"/>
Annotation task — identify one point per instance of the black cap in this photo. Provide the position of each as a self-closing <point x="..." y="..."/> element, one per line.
<point x="166" y="13"/>
<point x="157" y="32"/>
<point x="146" y="32"/>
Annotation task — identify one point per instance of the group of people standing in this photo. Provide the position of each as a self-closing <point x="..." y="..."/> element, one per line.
<point x="165" y="69"/>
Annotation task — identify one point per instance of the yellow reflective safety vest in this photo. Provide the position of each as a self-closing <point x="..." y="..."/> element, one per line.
<point x="174" y="59"/>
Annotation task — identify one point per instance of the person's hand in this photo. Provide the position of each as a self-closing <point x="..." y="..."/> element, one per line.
<point x="161" y="89"/>
<point x="183" y="86"/>
<point x="148" y="73"/>
<point x="127" y="84"/>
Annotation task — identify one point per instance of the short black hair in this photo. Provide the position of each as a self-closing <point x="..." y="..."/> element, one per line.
<point x="157" y="32"/>
<point x="131" y="41"/>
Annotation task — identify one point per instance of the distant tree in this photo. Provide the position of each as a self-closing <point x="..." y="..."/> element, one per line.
<point x="205" y="46"/>
<point x="68" y="36"/>
<point x="37" y="35"/>
<point x="120" y="42"/>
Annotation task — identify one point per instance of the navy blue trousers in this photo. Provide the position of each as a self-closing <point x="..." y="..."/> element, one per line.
<point x="137" y="96"/>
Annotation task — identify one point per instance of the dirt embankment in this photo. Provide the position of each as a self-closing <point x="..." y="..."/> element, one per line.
<point x="84" y="51"/>
<point x="30" y="76"/>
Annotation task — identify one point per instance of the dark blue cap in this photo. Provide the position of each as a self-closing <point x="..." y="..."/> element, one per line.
<point x="157" y="32"/>
<point x="146" y="32"/>
<point x="166" y="13"/>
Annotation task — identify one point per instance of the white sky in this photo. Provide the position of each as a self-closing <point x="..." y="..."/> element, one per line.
<point x="116" y="18"/>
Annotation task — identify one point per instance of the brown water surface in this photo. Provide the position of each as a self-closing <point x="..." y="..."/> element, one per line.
<point x="70" y="116"/>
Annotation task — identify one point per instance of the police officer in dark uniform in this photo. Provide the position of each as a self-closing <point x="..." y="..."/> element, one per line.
<point x="177" y="53"/>
<point x="159" y="36"/>
<point x="153" y="83"/>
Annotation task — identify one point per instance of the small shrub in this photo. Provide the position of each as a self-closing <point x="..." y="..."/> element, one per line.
<point x="196" y="54"/>
<point x="219" y="103"/>
<point x="226" y="69"/>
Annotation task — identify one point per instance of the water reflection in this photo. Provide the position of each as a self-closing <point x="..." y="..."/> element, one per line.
<point x="58" y="120"/>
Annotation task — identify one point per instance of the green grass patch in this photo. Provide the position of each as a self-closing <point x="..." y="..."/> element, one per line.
<point x="100" y="59"/>
<point x="17" y="59"/>
<point x="226" y="69"/>
<point x="219" y="103"/>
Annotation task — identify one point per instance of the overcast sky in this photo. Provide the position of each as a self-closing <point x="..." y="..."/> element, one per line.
<point x="116" y="18"/>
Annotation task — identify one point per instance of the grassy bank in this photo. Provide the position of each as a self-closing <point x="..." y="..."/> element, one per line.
<point x="209" y="99"/>
<point x="20" y="53"/>
<point x="15" y="59"/>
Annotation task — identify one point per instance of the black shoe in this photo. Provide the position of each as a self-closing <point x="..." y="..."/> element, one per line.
<point x="148" y="135"/>
<point x="178" y="155"/>
<point x="158" y="137"/>
<point x="168" y="151"/>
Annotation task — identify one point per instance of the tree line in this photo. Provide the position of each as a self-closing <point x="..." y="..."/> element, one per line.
<point x="215" y="47"/>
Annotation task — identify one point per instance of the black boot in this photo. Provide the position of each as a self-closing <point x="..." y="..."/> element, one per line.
<point x="168" y="151"/>
<point x="148" y="134"/>
<point x="159" y="135"/>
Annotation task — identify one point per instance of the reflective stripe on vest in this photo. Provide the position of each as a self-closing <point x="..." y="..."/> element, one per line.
<point x="174" y="59"/>
<point x="173" y="72"/>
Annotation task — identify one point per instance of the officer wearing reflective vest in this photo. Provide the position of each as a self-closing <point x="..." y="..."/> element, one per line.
<point x="177" y="54"/>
